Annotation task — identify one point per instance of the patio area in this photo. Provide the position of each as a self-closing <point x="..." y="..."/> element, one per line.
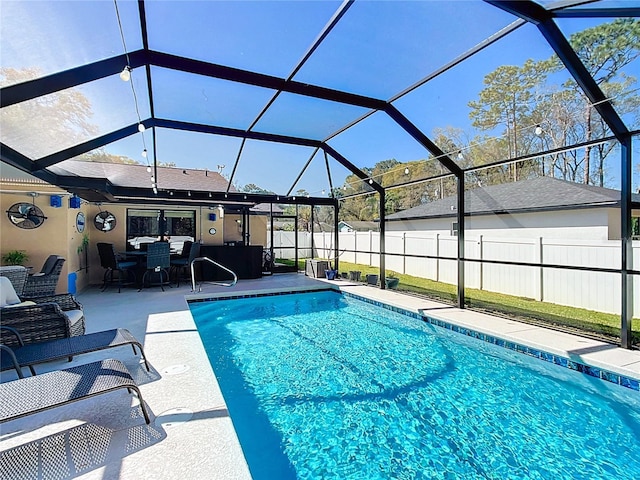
<point x="191" y="434"/>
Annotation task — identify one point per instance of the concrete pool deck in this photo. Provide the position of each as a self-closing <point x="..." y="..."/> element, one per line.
<point x="191" y="434"/>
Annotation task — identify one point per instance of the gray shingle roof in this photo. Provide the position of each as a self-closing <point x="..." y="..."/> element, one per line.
<point x="542" y="193"/>
<point x="361" y="225"/>
<point x="125" y="175"/>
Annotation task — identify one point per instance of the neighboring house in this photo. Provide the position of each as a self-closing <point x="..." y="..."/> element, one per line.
<point x="357" y="226"/>
<point x="540" y="207"/>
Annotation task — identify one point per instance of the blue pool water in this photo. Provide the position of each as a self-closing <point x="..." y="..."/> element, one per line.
<point x="322" y="386"/>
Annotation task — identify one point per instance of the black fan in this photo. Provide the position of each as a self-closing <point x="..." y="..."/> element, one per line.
<point x="26" y="215"/>
<point x="105" y="221"/>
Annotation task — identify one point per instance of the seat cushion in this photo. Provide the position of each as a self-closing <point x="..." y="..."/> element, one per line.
<point x="74" y="316"/>
<point x="21" y="304"/>
<point x="8" y="295"/>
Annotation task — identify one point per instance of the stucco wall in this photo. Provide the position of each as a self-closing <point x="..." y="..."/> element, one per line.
<point x="56" y="236"/>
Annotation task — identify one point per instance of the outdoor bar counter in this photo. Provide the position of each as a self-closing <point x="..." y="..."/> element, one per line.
<point x="245" y="261"/>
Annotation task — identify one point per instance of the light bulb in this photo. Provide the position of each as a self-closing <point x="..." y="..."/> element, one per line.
<point x="153" y="179"/>
<point x="460" y="156"/>
<point x="155" y="190"/>
<point x="324" y="191"/>
<point x="406" y="171"/>
<point x="141" y="128"/>
<point x="209" y="194"/>
<point x="294" y="198"/>
<point x="189" y="193"/>
<point x="538" y="130"/>
<point x="144" y="153"/>
<point x="125" y="74"/>
<point x="371" y="181"/>
<point x="149" y="169"/>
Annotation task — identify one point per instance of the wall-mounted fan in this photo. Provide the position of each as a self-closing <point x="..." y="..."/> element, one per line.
<point x="105" y="221"/>
<point x="26" y="215"/>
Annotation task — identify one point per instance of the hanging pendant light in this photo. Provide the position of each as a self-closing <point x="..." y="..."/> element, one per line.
<point x="125" y="74"/>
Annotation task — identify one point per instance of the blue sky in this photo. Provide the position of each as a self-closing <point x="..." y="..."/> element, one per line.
<point x="378" y="49"/>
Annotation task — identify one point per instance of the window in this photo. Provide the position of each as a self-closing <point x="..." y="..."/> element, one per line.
<point x="148" y="226"/>
<point x="454" y="229"/>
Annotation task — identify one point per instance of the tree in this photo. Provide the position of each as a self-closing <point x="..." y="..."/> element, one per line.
<point x="253" y="188"/>
<point x="517" y="97"/>
<point x="61" y="119"/>
<point x="101" y="156"/>
<point x="508" y="99"/>
<point x="605" y="50"/>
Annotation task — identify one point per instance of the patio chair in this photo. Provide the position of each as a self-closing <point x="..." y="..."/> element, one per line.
<point x="26" y="396"/>
<point x="39" y="319"/>
<point x="158" y="261"/>
<point x="183" y="264"/>
<point x="24" y="355"/>
<point x="44" y="282"/>
<point x="110" y="262"/>
<point x="17" y="275"/>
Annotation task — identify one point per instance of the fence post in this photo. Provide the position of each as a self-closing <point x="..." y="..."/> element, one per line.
<point x="370" y="247"/>
<point x="404" y="252"/>
<point x="481" y="264"/>
<point x="540" y="280"/>
<point x="437" y="257"/>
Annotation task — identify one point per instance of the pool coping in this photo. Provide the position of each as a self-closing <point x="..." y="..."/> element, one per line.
<point x="607" y="373"/>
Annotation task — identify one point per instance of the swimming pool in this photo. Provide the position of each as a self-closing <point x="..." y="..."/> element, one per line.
<point x="324" y="386"/>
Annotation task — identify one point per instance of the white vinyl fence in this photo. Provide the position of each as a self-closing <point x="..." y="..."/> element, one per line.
<point x="599" y="291"/>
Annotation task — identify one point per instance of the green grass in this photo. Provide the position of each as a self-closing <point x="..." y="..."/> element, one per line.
<point x="588" y="322"/>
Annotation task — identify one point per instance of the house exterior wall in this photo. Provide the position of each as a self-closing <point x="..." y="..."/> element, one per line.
<point x="56" y="236"/>
<point x="593" y="223"/>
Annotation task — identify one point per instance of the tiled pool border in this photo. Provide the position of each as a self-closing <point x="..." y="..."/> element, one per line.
<point x="559" y="360"/>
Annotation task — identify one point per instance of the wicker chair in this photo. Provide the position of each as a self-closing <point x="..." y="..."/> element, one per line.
<point x="45" y="282"/>
<point x="39" y="319"/>
<point x="183" y="264"/>
<point x="158" y="261"/>
<point x="17" y="275"/>
<point x="111" y="263"/>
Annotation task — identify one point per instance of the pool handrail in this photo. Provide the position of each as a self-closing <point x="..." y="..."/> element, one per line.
<point x="207" y="259"/>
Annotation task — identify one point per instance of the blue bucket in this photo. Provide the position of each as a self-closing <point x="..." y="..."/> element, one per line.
<point x="71" y="282"/>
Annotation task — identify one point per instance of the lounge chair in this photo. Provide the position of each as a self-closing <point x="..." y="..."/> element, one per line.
<point x="37" y="353"/>
<point x="26" y="396"/>
<point x="39" y="319"/>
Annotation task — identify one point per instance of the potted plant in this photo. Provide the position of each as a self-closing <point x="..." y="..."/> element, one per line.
<point x="391" y="280"/>
<point x="372" y="279"/>
<point x="330" y="274"/>
<point x="15" y="257"/>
